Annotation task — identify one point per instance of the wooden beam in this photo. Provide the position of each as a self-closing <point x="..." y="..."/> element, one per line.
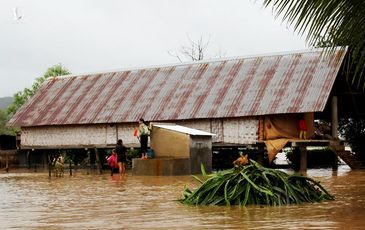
<point x="334" y="117"/>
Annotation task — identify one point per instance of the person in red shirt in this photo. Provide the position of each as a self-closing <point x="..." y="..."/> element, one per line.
<point x="302" y="128"/>
<point x="112" y="161"/>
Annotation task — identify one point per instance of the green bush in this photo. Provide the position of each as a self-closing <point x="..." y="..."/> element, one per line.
<point x="353" y="129"/>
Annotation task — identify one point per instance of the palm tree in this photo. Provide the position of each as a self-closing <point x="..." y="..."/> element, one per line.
<point x="340" y="22"/>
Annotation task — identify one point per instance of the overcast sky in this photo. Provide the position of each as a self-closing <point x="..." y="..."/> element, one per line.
<point x="99" y="35"/>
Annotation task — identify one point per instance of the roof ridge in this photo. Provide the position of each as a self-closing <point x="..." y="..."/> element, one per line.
<point x="212" y="60"/>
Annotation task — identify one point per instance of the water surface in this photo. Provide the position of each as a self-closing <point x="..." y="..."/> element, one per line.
<point x="30" y="200"/>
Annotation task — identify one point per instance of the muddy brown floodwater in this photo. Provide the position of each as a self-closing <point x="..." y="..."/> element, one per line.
<point x="31" y="200"/>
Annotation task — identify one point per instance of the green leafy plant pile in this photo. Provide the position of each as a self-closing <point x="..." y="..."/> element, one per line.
<point x="254" y="184"/>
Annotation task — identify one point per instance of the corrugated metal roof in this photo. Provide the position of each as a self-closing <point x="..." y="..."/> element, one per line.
<point x="187" y="130"/>
<point x="285" y="83"/>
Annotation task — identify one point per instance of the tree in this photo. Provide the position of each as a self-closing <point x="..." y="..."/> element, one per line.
<point x="22" y="96"/>
<point x="194" y="51"/>
<point x="340" y="22"/>
<point x="3" y="120"/>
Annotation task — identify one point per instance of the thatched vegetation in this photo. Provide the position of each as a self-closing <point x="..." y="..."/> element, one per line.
<point x="254" y="184"/>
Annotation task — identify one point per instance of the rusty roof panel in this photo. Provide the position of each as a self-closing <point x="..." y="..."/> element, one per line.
<point x="283" y="83"/>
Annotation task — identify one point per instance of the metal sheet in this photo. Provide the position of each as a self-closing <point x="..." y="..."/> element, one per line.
<point x="186" y="130"/>
<point x="239" y="87"/>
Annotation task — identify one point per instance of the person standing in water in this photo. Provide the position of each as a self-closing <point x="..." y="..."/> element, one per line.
<point x="143" y="133"/>
<point x="121" y="156"/>
<point x="112" y="161"/>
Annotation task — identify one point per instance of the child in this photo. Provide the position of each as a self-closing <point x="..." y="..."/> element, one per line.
<point x="112" y="161"/>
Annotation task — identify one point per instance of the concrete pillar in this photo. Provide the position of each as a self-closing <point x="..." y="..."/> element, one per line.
<point x="334" y="117"/>
<point x="303" y="159"/>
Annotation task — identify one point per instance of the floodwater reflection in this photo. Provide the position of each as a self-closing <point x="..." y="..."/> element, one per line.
<point x="35" y="201"/>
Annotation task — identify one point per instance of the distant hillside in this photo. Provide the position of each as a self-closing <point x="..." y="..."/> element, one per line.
<point x="5" y="102"/>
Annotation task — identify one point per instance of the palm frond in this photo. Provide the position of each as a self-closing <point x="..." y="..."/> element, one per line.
<point x="341" y="21"/>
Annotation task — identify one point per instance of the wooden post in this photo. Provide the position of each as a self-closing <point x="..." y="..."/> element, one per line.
<point x="49" y="164"/>
<point x="35" y="163"/>
<point x="70" y="167"/>
<point x="28" y="159"/>
<point x="303" y="159"/>
<point x="334" y="117"/>
<point x="88" y="161"/>
<point x="98" y="162"/>
<point x="335" y="162"/>
<point x="7" y="163"/>
<point x="261" y="128"/>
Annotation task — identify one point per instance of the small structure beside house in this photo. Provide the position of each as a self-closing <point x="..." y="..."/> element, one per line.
<point x="178" y="150"/>
<point x="244" y="101"/>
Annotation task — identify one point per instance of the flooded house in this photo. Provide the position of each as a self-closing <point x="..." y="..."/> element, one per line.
<point x="244" y="101"/>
